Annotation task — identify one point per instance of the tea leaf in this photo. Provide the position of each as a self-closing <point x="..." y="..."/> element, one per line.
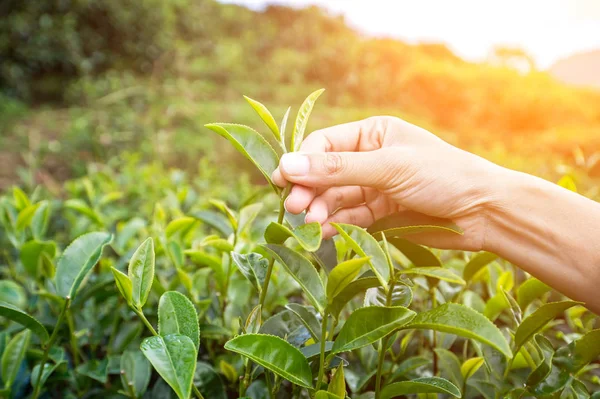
<point x="417" y="254"/>
<point x="32" y="255"/>
<point x="174" y="357"/>
<point x="342" y="275"/>
<point x="254" y="321"/>
<point x="327" y="395"/>
<point x="308" y="235"/>
<point x="49" y="368"/>
<point x="18" y="316"/>
<point x="353" y="289"/>
<point x="25" y="216"/>
<point x="407" y="223"/>
<point x="250" y="144"/>
<point x="266" y="116"/>
<point x="141" y="272"/>
<point x="283" y="126"/>
<point x="135" y="371"/>
<point x="177" y="315"/>
<point x="543" y="369"/>
<point x="411" y="364"/>
<point x="13" y="356"/>
<point x="77" y="261"/>
<point x="253" y="266"/>
<point x="212" y="261"/>
<point x="12" y="293"/>
<point x="303" y="271"/>
<point x="365" y="245"/>
<point x="530" y="290"/>
<point x="586" y="349"/>
<point x="247" y="216"/>
<point x="450" y="365"/>
<point x="20" y="198"/>
<point x="40" y="219"/>
<point x="470" y="367"/>
<point x="538" y="319"/>
<point x="337" y="385"/>
<point x="275" y="354"/>
<point x="420" y="385"/>
<point x="369" y="324"/>
<point x="302" y="119"/>
<point x="209" y="382"/>
<point x="462" y="321"/>
<point x="440" y="273"/>
<point x="82" y="207"/>
<point x="94" y="369"/>
<point x="308" y="318"/>
<point x="478" y="262"/>
<point x="181" y="225"/>
<point x="124" y="285"/>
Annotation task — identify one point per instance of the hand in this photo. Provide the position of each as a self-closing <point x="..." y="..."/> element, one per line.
<point x="362" y="171"/>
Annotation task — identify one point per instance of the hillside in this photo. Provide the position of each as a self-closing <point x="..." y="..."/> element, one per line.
<point x="581" y="69"/>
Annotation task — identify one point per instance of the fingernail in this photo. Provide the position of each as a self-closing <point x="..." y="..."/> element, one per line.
<point x="307" y="217"/>
<point x="285" y="205"/>
<point x="295" y="164"/>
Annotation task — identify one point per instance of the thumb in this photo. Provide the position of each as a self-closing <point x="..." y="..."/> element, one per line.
<point x="327" y="169"/>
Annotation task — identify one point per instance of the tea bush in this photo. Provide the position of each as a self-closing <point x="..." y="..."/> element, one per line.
<point x="166" y="290"/>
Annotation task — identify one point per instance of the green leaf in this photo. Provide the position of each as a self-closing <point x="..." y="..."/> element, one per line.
<point x="283" y="126"/>
<point x="174" y="357"/>
<point x="308" y="317"/>
<point x="21" y="199"/>
<point x="250" y="144"/>
<point x="253" y="266"/>
<point x="32" y="255"/>
<point x="342" y="275"/>
<point x="135" y="371"/>
<point x="266" y="116"/>
<point x="12" y="293"/>
<point x="365" y="245"/>
<point x="470" y="367"/>
<point x="353" y="289"/>
<point x="411" y="364"/>
<point x="450" y="366"/>
<point x="275" y="354"/>
<point x="367" y="325"/>
<point x="141" y="272"/>
<point x="420" y="385"/>
<point x="18" y="316"/>
<point x="543" y="369"/>
<point x="326" y="395"/>
<point x="538" y="319"/>
<point x="13" y="357"/>
<point x="25" y="216"/>
<point x="302" y="119"/>
<point x="303" y="271"/>
<point x="124" y="285"/>
<point x="39" y="222"/>
<point x="586" y="349"/>
<point x="530" y="290"/>
<point x="478" y="262"/>
<point x="417" y="254"/>
<point x="209" y="382"/>
<point x="247" y="216"/>
<point x="177" y="315"/>
<point x="390" y="230"/>
<point x="181" y="225"/>
<point x="254" y="321"/>
<point x="462" y="321"/>
<point x="337" y="385"/>
<point x="440" y="273"/>
<point x="49" y="368"/>
<point x="212" y="261"/>
<point x="77" y="261"/>
<point x="82" y="207"/>
<point x="95" y="369"/>
<point x="308" y="235"/>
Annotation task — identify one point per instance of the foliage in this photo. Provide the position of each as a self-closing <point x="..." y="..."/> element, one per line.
<point x="221" y="300"/>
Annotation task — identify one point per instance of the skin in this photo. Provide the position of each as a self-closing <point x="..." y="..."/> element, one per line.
<point x="362" y="171"/>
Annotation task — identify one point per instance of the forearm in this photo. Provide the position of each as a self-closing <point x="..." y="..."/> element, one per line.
<point x="550" y="232"/>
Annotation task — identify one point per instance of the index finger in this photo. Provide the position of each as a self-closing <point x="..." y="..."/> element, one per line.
<point x="364" y="135"/>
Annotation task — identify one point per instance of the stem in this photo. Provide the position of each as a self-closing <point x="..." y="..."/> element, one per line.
<point x="269" y="385"/>
<point x="265" y="287"/>
<point x="227" y="282"/>
<point x="245" y="383"/>
<point x="48" y="346"/>
<point x="434" y="343"/>
<point x="73" y="338"/>
<point x="145" y="320"/>
<point x="383" y="343"/>
<point x="197" y="392"/>
<point x="322" y="354"/>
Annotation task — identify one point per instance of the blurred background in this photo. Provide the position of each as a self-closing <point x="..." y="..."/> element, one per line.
<point x="87" y="84"/>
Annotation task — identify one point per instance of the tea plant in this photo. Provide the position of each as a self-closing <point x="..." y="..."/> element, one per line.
<point x="229" y="300"/>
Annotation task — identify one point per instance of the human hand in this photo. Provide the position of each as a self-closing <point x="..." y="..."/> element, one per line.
<point x="362" y="171"/>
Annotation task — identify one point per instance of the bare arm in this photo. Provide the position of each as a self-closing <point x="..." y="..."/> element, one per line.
<point x="362" y="171"/>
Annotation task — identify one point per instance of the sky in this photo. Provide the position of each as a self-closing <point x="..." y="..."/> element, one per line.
<point x="548" y="30"/>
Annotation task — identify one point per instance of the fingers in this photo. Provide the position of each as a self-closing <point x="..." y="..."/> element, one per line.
<point x="364" y="135"/>
<point x="299" y="199"/>
<point x="332" y="199"/>
<point x="369" y="169"/>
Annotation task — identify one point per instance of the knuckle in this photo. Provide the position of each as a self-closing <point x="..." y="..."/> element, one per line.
<point x="333" y="164"/>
